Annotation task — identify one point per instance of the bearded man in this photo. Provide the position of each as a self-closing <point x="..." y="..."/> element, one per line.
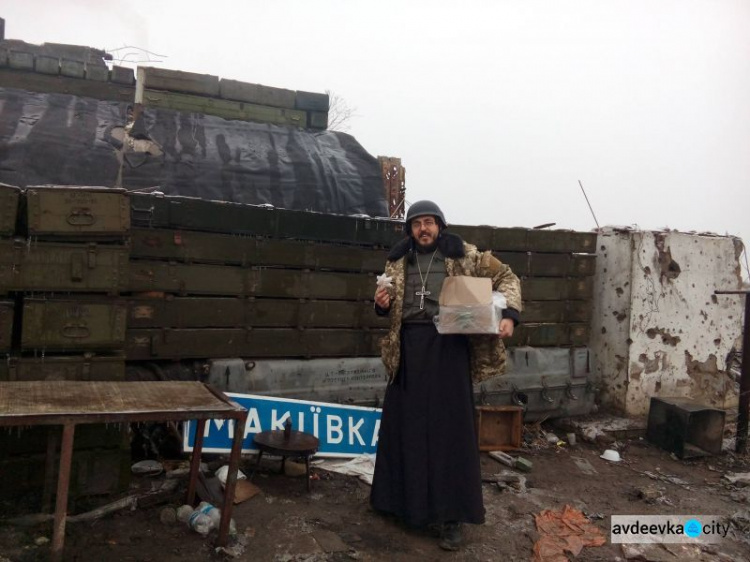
<point x="427" y="470"/>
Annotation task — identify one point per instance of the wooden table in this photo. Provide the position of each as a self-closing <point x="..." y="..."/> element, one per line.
<point x="297" y="444"/>
<point x="69" y="403"/>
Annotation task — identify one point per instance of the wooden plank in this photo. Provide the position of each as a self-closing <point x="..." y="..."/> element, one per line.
<point x="257" y="94"/>
<point x="203" y="247"/>
<point x="35" y="82"/>
<point x="153" y="78"/>
<point x="183" y="312"/>
<point x="226" y="109"/>
<point x="256" y="343"/>
<point x="200" y="279"/>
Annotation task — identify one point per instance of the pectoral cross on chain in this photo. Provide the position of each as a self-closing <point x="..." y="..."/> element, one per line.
<point x="421" y="294"/>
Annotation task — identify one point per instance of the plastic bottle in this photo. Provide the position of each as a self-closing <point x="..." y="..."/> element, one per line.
<point x="200" y="522"/>
<point x="214" y="513"/>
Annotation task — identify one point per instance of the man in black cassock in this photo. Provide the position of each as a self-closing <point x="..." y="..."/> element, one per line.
<point x="427" y="470"/>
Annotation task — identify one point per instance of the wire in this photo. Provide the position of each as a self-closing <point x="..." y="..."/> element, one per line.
<point x="589" y="204"/>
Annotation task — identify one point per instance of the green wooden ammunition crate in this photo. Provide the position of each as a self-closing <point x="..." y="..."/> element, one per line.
<point x="158" y="211"/>
<point x="27" y="265"/>
<point x="554" y="288"/>
<point x="85" y="367"/>
<point x="77" y="212"/>
<point x="6" y="325"/>
<point x="94" y="472"/>
<point x="555" y="312"/>
<point x="69" y="324"/>
<point x="9" y="197"/>
<point x="205" y="247"/>
<point x="187" y="312"/>
<point x="143" y="344"/>
<point x="549" y="335"/>
<point x="199" y="279"/>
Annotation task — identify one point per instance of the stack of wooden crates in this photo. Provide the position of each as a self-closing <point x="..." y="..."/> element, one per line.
<point x="62" y="318"/>
<point x="100" y="284"/>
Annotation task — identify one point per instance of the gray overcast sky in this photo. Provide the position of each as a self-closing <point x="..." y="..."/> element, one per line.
<point x="497" y="108"/>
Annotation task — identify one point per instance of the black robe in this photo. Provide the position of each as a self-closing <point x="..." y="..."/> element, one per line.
<point x="427" y="469"/>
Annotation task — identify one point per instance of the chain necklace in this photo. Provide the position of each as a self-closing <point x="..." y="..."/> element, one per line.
<point x="421" y="294"/>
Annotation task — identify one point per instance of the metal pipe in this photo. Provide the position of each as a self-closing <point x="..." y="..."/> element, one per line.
<point x="61" y="502"/>
<point x="231" y="483"/>
<point x="195" y="461"/>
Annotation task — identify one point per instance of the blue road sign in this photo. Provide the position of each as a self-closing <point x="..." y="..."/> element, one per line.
<point x="343" y="431"/>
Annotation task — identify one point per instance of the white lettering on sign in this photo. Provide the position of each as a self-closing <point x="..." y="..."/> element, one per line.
<point x="341" y="429"/>
<point x="354" y="430"/>
<point x="334" y="426"/>
<point x="276" y="422"/>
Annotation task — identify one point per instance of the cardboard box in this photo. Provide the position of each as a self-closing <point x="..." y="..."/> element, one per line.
<point x="466" y="307"/>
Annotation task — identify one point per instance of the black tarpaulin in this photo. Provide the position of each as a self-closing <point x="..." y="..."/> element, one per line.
<point x="69" y="140"/>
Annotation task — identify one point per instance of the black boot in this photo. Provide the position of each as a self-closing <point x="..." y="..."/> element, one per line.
<point x="451" y="536"/>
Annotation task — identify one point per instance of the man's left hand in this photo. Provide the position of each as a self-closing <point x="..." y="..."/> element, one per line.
<point x="506" y="328"/>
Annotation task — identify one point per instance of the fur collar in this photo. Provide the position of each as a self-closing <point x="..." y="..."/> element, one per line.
<point x="450" y="245"/>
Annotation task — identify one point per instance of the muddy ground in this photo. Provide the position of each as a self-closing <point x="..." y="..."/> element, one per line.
<point x="334" y="522"/>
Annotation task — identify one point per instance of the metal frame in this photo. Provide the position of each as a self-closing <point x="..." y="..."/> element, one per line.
<point x="210" y="409"/>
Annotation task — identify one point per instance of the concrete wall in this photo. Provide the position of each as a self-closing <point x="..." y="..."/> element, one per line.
<point x="657" y="328"/>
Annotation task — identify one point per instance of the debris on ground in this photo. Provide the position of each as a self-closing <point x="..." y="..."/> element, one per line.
<point x="518" y="463"/>
<point x="507" y="480"/>
<point x="564" y="531"/>
<point x="584" y="466"/>
<point x="738" y="479"/>
<point x="667" y="553"/>
<point x="363" y="467"/>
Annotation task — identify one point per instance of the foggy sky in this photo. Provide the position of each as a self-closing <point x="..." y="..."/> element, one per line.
<point x="496" y="108"/>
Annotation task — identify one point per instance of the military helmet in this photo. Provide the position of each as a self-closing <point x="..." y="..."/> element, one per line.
<point x="421" y="208"/>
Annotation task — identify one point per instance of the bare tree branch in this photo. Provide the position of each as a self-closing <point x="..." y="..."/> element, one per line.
<point x="339" y="113"/>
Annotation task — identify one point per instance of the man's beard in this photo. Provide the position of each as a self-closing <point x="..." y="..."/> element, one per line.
<point x="426" y="249"/>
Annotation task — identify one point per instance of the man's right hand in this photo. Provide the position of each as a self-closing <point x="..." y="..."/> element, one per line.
<point x="383" y="299"/>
